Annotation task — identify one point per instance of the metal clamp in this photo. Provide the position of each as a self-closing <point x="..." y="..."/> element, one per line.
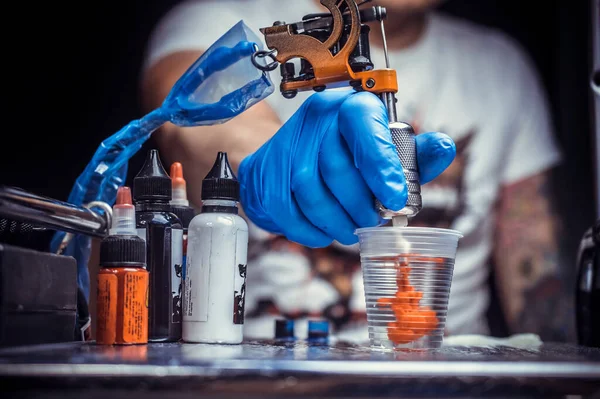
<point x="94" y="204"/>
<point x="18" y="204"/>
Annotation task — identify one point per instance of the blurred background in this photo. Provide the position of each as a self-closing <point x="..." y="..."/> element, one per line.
<point x="74" y="71"/>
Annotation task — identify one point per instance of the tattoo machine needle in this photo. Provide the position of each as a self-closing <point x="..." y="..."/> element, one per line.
<point x="334" y="49"/>
<point x="404" y="138"/>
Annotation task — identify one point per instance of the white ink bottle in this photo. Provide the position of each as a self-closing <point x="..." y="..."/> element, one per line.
<point x="215" y="281"/>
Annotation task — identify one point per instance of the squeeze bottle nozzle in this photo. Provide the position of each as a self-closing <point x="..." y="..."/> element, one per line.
<point x="152" y="183"/>
<point x="221" y="183"/>
<point x="179" y="196"/>
<point x="123" y="219"/>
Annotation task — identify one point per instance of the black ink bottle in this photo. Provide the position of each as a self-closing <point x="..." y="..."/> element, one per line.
<point x="163" y="233"/>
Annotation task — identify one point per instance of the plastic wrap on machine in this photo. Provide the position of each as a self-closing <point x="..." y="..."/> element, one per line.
<point x="220" y="85"/>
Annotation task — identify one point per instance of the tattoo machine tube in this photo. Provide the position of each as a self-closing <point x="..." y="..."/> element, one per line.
<point x="404" y="139"/>
<point x="407" y="276"/>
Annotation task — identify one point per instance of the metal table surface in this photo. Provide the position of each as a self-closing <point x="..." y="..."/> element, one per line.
<point x="269" y="369"/>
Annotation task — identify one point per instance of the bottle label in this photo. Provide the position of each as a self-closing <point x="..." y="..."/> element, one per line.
<point x="184" y="261"/>
<point x="187" y="290"/>
<point x="176" y="272"/>
<point x="135" y="307"/>
<point x="239" y="280"/>
<point x="106" y="329"/>
<point x="215" y="284"/>
<point x="196" y="289"/>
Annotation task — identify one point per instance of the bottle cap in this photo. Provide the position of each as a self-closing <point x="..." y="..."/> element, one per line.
<point x="152" y="182"/>
<point x="318" y="329"/>
<point x="123" y="250"/>
<point x="284" y="329"/>
<point x="220" y="183"/>
<point x="122" y="247"/>
<point x="123" y="217"/>
<point x="179" y="186"/>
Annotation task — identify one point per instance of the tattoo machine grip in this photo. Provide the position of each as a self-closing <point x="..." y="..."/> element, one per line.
<point x="404" y="138"/>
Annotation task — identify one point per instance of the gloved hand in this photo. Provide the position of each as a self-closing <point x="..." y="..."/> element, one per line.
<point x="315" y="179"/>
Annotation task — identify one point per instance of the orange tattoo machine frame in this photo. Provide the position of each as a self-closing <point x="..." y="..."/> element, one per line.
<point x="333" y="49"/>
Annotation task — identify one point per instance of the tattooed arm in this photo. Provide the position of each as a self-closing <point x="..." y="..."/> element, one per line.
<point x="527" y="261"/>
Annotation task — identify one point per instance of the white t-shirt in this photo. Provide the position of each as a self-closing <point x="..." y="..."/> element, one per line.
<point x="470" y="82"/>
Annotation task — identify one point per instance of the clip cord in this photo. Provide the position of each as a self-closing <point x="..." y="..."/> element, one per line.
<point x="264" y="54"/>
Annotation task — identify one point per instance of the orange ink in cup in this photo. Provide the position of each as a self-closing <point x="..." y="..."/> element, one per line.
<point x="413" y="321"/>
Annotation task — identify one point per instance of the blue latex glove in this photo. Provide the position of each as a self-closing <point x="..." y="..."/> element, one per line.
<point x="314" y="180"/>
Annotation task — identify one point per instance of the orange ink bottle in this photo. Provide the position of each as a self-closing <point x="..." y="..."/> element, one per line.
<point x="122" y="304"/>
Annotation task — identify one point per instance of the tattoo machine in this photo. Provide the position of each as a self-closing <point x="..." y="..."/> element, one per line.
<point x="334" y="51"/>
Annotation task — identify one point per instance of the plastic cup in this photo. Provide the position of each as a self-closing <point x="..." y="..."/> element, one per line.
<point x="407" y="273"/>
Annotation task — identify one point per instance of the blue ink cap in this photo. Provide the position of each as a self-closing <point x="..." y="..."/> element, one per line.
<point x="318" y="329"/>
<point x="284" y="329"/>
